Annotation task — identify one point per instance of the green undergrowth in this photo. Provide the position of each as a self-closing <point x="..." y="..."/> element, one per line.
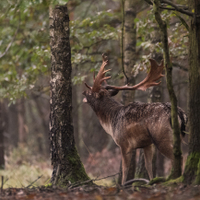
<point x="157" y="180"/>
<point x="162" y="181"/>
<point x="173" y="181"/>
<point x="25" y="169"/>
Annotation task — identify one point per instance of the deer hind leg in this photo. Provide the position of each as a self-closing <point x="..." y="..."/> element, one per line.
<point x="126" y="160"/>
<point x="148" y="156"/>
<point x="166" y="148"/>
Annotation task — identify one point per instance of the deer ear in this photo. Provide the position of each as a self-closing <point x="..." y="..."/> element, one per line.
<point x="113" y="92"/>
<point x="100" y="94"/>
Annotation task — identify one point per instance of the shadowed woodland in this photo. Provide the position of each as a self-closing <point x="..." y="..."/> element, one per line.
<point x="51" y="142"/>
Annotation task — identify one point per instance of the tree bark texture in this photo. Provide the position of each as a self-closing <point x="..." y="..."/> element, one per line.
<point x="67" y="166"/>
<point x="21" y="121"/>
<point x="129" y="51"/>
<point x="13" y="125"/>
<point x="129" y="48"/>
<point x="192" y="167"/>
<point x="177" y="163"/>
<point x="2" y="160"/>
<point x="141" y="171"/>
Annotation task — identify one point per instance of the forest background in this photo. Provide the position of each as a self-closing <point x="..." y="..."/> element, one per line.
<point x="95" y="28"/>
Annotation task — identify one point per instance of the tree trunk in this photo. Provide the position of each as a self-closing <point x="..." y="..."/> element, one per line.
<point x="2" y="160"/>
<point x="67" y="166"/>
<point x="141" y="171"/>
<point x="129" y="50"/>
<point x="21" y="121"/>
<point x="75" y="105"/>
<point x="177" y="163"/>
<point x="13" y="125"/>
<point x="44" y="122"/>
<point x="35" y="120"/>
<point x="192" y="167"/>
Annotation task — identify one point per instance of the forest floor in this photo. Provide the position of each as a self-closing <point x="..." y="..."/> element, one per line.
<point x="155" y="192"/>
<point x="25" y="174"/>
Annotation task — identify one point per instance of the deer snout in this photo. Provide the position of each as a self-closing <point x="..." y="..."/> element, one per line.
<point x="84" y="100"/>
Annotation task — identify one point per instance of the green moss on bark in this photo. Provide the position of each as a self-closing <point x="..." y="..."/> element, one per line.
<point x="78" y="170"/>
<point x="197" y="180"/>
<point x="192" y="170"/>
<point x="176" y="172"/>
<point x="157" y="180"/>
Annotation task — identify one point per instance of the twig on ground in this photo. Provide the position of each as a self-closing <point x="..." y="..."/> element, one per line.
<point x="3" y="182"/>
<point x="136" y="180"/>
<point x="34" y="181"/>
<point x="2" y="177"/>
<point x="88" y="181"/>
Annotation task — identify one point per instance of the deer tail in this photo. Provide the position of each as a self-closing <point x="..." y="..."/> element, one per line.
<point x="183" y="118"/>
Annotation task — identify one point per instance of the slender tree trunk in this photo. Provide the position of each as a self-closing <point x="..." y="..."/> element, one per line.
<point x="13" y="125"/>
<point x="177" y="163"/>
<point x="192" y="167"/>
<point x="156" y="95"/>
<point x="141" y="171"/>
<point x="35" y="128"/>
<point x="44" y="123"/>
<point x="67" y="166"/>
<point x="2" y="160"/>
<point x="129" y="49"/>
<point x="76" y="113"/>
<point x="21" y="121"/>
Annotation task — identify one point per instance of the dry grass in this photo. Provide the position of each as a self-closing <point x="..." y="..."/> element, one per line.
<point x="23" y="167"/>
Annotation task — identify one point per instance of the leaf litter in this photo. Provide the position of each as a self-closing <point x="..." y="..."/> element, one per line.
<point x="95" y="192"/>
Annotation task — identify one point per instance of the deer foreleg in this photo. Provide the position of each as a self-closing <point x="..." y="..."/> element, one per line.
<point x="148" y="156"/>
<point x="126" y="160"/>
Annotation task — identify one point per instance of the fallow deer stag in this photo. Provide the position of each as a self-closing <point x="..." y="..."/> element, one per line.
<point x="137" y="125"/>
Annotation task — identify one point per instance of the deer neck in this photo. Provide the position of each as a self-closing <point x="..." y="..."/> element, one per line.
<point x="106" y="109"/>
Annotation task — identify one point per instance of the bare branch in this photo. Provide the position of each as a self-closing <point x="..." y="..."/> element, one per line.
<point x="10" y="44"/>
<point x="180" y="67"/>
<point x="179" y="8"/>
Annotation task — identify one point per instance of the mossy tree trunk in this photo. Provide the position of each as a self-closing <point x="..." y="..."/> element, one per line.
<point x="177" y="163"/>
<point x="192" y="167"/>
<point x="141" y="171"/>
<point x="67" y="166"/>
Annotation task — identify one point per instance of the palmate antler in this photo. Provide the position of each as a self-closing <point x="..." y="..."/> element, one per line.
<point x="100" y="76"/>
<point x="154" y="74"/>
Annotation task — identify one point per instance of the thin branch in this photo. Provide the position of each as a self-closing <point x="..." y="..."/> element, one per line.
<point x="2" y="178"/>
<point x="166" y="8"/>
<point x="180" y="67"/>
<point x="122" y="41"/>
<point x="10" y="44"/>
<point x="34" y="182"/>
<point x="88" y="8"/>
<point x="136" y="180"/>
<point x="91" y="180"/>
<point x="176" y="7"/>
